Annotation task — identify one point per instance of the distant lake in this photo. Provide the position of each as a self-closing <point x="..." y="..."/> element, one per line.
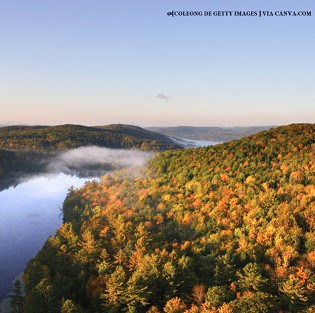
<point x="29" y="214"/>
<point x="202" y="143"/>
<point x="189" y="143"/>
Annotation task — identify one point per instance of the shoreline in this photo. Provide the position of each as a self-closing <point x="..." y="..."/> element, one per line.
<point x="5" y="303"/>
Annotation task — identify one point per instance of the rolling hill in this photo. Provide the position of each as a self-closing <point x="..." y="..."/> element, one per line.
<point x="226" y="228"/>
<point x="29" y="149"/>
<point x="63" y="137"/>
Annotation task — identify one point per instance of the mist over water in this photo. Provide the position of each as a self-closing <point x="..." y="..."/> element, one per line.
<point x="85" y="157"/>
<point x="30" y="212"/>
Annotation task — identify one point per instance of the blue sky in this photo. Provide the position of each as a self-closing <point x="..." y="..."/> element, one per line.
<point x="99" y="62"/>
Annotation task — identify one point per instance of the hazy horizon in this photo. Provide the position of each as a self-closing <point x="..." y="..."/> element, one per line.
<point x="148" y="126"/>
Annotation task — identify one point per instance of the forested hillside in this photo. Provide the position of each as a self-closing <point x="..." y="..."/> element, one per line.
<point x="20" y="161"/>
<point x="29" y="149"/>
<point x="227" y="228"/>
<point x="13" y="163"/>
<point x="64" y="137"/>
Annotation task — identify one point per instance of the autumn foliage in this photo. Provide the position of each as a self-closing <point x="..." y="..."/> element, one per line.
<point x="228" y="228"/>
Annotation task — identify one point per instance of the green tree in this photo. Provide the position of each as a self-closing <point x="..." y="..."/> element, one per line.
<point x="42" y="299"/>
<point x="217" y="295"/>
<point x="68" y="306"/>
<point x="136" y="292"/>
<point x="293" y="293"/>
<point x="255" y="302"/>
<point x="114" y="295"/>
<point x="224" y="271"/>
<point x="17" y="299"/>
<point x="250" y="278"/>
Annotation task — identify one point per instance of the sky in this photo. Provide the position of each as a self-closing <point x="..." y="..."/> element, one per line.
<point x="99" y="62"/>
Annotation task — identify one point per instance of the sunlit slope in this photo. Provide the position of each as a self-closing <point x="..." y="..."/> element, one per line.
<point x="63" y="137"/>
<point x="228" y="228"/>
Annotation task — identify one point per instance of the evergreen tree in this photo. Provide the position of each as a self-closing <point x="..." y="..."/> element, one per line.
<point x="217" y="295"/>
<point x="17" y="299"/>
<point x="294" y="293"/>
<point x="42" y="299"/>
<point x="255" y="302"/>
<point x="68" y="306"/>
<point x="115" y="290"/>
<point x="251" y="278"/>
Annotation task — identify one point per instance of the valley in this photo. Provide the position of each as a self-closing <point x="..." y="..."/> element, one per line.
<point x="224" y="228"/>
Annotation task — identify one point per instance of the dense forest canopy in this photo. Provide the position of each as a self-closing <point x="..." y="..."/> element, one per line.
<point x="227" y="228"/>
<point x="64" y="137"/>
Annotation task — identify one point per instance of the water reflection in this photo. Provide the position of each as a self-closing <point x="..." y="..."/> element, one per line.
<point x="190" y="143"/>
<point x="29" y="214"/>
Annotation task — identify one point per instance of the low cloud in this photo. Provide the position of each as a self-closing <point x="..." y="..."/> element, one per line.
<point x="92" y="155"/>
<point x="163" y="96"/>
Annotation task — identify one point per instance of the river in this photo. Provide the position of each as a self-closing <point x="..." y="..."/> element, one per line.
<point x="29" y="214"/>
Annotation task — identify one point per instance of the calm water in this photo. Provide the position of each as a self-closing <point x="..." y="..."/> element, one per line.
<point x="189" y="143"/>
<point x="29" y="214"/>
<point x="202" y="143"/>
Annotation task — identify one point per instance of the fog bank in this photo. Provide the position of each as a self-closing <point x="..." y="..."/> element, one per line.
<point x="92" y="156"/>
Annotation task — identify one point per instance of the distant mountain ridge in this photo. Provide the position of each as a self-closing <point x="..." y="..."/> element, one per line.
<point x="64" y="137"/>
<point x="136" y="131"/>
<point x="218" y="134"/>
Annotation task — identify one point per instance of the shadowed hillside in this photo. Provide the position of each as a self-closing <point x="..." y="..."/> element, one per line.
<point x="63" y="137"/>
<point x="29" y="149"/>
